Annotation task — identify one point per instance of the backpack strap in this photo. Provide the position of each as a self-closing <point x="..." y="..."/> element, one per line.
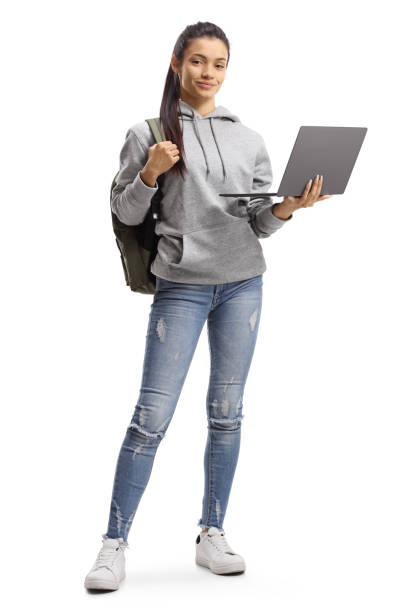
<point x="157" y="129"/>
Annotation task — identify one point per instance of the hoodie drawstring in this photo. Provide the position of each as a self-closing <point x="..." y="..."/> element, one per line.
<point x="218" y="147"/>
<point x="197" y="131"/>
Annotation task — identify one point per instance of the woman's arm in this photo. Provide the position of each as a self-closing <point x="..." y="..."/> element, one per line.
<point x="131" y="196"/>
<point x="282" y="210"/>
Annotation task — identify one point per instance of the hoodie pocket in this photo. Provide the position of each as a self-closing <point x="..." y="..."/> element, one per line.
<point x="229" y="246"/>
<point x="171" y="248"/>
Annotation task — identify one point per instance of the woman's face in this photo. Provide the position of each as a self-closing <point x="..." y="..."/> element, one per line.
<point x="205" y="60"/>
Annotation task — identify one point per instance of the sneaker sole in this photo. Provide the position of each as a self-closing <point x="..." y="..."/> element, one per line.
<point x="237" y="568"/>
<point x="104" y="585"/>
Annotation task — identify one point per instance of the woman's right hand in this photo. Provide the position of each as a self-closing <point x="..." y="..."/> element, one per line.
<point x="162" y="156"/>
<point x="310" y="195"/>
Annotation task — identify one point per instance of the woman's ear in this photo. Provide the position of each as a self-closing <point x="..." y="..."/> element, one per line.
<point x="174" y="64"/>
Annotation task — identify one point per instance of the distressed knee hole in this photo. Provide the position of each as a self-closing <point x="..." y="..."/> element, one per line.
<point x="140" y="419"/>
<point x="148" y="434"/>
<point x="225" y="424"/>
<point x="224" y="407"/>
<point x="143" y="438"/>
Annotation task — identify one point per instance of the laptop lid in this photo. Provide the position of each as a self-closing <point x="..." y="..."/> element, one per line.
<point x="328" y="150"/>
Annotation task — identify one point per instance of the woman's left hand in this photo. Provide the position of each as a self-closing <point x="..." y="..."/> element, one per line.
<point x="309" y="196"/>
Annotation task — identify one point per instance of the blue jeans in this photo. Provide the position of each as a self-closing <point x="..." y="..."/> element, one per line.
<point x="177" y="315"/>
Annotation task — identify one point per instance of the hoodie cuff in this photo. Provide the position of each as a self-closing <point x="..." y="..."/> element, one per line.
<point x="277" y="218"/>
<point x="139" y="191"/>
<point x="268" y="222"/>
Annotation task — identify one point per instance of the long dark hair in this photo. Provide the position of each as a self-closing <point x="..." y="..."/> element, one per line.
<point x="171" y="94"/>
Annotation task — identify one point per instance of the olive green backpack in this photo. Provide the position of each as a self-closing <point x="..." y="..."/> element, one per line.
<point x="137" y="244"/>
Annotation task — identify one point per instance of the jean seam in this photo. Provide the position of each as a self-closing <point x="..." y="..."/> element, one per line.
<point x="210" y="483"/>
<point x="210" y="466"/>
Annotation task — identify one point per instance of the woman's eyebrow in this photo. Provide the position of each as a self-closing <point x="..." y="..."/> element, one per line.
<point x="217" y="58"/>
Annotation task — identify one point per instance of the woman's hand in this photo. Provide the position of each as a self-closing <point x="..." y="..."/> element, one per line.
<point x="308" y="197"/>
<point x="162" y="156"/>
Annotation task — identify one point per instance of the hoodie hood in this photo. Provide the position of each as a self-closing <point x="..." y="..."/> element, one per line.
<point x="220" y="113"/>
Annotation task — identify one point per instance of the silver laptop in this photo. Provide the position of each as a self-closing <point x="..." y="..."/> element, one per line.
<point x="330" y="151"/>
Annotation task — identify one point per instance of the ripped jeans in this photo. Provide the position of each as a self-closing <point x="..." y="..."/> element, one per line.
<point x="177" y="315"/>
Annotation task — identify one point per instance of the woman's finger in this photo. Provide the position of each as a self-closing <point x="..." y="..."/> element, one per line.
<point x="316" y="184"/>
<point x="310" y="196"/>
<point x="318" y="188"/>
<point x="320" y="185"/>
<point x="306" y="189"/>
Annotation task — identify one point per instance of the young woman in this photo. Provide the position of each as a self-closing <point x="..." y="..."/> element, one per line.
<point x="208" y="268"/>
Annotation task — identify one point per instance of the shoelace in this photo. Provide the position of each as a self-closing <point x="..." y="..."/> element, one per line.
<point x="105" y="557"/>
<point x="220" y="542"/>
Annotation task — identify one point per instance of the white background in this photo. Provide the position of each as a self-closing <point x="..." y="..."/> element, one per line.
<point x="319" y="502"/>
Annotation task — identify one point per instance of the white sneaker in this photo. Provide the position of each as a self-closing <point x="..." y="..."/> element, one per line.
<point x="214" y="552"/>
<point x="109" y="568"/>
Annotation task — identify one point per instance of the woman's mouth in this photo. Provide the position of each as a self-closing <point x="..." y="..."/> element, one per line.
<point x="205" y="85"/>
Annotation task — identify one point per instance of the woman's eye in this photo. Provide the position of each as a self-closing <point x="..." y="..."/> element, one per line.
<point x="218" y="65"/>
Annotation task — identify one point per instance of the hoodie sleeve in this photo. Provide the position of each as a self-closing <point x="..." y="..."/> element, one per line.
<point x="262" y="220"/>
<point x="131" y="197"/>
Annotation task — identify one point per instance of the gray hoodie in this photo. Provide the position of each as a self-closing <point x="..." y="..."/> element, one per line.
<point x="205" y="238"/>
